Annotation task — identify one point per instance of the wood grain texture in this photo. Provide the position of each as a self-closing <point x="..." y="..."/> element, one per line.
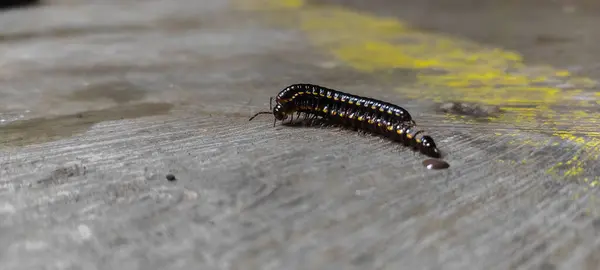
<point x="93" y="129"/>
<point x="252" y="197"/>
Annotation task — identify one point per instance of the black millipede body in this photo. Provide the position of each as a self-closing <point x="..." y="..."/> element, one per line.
<point x="305" y="91"/>
<point x="362" y="113"/>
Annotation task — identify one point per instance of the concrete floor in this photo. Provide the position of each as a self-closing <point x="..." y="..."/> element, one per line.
<point x="100" y="100"/>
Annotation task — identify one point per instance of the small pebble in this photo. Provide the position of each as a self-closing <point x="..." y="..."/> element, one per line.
<point x="435" y="164"/>
<point x="171" y="177"/>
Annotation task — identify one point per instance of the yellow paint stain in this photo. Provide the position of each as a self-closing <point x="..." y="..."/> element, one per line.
<point x="574" y="171"/>
<point x="579" y="113"/>
<point x="471" y="72"/>
<point x="269" y="4"/>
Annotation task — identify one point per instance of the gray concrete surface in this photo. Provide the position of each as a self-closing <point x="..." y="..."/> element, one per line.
<point x="101" y="99"/>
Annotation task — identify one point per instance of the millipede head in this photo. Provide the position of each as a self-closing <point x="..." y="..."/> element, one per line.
<point x="279" y="112"/>
<point x="428" y="147"/>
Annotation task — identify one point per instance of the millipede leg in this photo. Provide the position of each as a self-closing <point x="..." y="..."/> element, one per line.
<point x="313" y="118"/>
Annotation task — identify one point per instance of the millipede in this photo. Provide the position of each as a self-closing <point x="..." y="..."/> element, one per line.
<point x="334" y="107"/>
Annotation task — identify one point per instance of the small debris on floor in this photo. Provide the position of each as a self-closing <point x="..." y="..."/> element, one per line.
<point x="469" y="109"/>
<point x="435" y="164"/>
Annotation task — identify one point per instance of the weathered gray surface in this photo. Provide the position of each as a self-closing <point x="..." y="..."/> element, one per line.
<point x="82" y="188"/>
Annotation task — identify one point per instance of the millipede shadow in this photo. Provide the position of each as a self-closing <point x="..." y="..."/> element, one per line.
<point x="325" y="124"/>
<point x="319" y="123"/>
<point x="306" y="123"/>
